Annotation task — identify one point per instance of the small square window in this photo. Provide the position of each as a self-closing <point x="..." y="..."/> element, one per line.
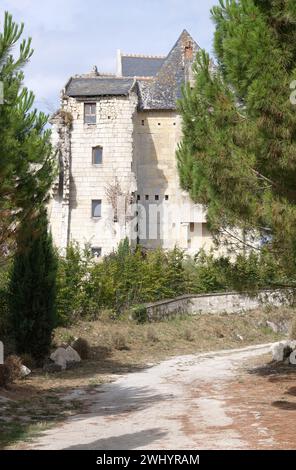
<point x="166" y="197"/>
<point x="138" y="197"/>
<point x="156" y="197"/>
<point x="147" y="197"/>
<point x="90" y="116"/>
<point x="96" y="252"/>
<point x="96" y="208"/>
<point x="159" y="124"/>
<point x="97" y="155"/>
<point x="143" y="122"/>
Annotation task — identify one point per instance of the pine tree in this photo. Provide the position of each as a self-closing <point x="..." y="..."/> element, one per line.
<point x="32" y="289"/>
<point x="26" y="160"/>
<point x="238" y="153"/>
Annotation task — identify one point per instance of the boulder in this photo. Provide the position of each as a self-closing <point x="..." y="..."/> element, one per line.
<point x="72" y="355"/>
<point x="62" y="356"/>
<point x="281" y="351"/>
<point x="277" y="351"/>
<point x="24" y="371"/>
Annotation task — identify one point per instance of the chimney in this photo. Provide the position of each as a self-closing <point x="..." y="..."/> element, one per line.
<point x="118" y="64"/>
<point x="188" y="50"/>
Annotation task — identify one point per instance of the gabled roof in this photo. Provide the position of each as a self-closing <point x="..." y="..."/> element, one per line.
<point x="140" y="66"/>
<point x="99" y="86"/>
<point x="158" y="80"/>
<point x="164" y="90"/>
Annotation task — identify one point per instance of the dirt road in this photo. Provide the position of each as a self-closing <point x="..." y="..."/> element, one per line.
<point x="205" y="401"/>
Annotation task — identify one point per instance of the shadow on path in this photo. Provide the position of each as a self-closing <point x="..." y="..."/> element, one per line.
<point x="124" y="442"/>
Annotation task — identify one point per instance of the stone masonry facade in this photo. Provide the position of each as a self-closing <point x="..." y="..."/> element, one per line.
<point x="116" y="137"/>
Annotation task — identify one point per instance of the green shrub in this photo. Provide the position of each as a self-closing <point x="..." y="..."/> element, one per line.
<point x="128" y="278"/>
<point x="140" y="314"/>
<point x="72" y="292"/>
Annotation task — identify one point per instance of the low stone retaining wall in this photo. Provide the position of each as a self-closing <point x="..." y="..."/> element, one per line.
<point x="226" y="302"/>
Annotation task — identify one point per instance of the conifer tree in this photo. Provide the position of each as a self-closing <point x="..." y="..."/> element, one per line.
<point x="238" y="153"/>
<point x="26" y="160"/>
<point x="32" y="290"/>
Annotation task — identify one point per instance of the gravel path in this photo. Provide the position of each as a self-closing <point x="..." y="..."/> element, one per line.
<point x="182" y="403"/>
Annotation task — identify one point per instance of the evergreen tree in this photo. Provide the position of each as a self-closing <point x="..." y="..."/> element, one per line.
<point x="33" y="288"/>
<point x="238" y="153"/>
<point x="26" y="161"/>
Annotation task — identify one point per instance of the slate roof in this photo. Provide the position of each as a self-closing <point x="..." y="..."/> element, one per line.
<point x="99" y="86"/>
<point x="133" y="66"/>
<point x="164" y="90"/>
<point x="164" y="77"/>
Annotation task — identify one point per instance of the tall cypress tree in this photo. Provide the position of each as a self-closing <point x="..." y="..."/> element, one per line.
<point x="238" y="153"/>
<point x="33" y="288"/>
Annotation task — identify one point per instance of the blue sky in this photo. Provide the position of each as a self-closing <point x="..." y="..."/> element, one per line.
<point x="70" y="36"/>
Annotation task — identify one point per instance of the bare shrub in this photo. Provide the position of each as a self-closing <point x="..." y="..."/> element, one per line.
<point x="292" y="332"/>
<point x="188" y="335"/>
<point x="14" y="364"/>
<point x="119" y="342"/>
<point x="81" y="346"/>
<point x="152" y="336"/>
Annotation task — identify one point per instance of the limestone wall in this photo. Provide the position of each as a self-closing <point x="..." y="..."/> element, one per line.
<point x="139" y="154"/>
<point x="114" y="132"/>
<point x="156" y="138"/>
<point x="230" y="302"/>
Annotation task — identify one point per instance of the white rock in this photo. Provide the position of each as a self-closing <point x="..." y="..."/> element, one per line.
<point x="292" y="344"/>
<point x="61" y="356"/>
<point x="24" y="371"/>
<point x="72" y="355"/>
<point x="278" y="351"/>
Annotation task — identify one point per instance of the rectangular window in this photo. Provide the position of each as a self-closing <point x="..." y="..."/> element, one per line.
<point x="191" y="227"/>
<point x="156" y="197"/>
<point x="166" y="197"/>
<point x="90" y="113"/>
<point x="97" y="155"/>
<point x="96" y="252"/>
<point x="147" y="197"/>
<point x="96" y="208"/>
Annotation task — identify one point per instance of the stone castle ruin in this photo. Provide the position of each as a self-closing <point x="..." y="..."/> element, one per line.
<point x="116" y="138"/>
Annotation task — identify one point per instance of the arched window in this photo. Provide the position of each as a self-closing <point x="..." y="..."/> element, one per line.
<point x="97" y="155"/>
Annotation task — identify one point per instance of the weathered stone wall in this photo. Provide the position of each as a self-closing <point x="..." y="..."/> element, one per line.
<point x="114" y="132"/>
<point x="230" y="302"/>
<point x="157" y="135"/>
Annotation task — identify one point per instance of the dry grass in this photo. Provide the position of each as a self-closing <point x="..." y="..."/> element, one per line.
<point x="118" y="347"/>
<point x="292" y="332"/>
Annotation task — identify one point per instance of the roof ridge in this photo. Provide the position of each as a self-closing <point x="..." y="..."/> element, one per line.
<point x="101" y="76"/>
<point x="144" y="56"/>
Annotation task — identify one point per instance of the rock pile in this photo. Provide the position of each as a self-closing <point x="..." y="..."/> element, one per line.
<point x="62" y="358"/>
<point x="285" y="351"/>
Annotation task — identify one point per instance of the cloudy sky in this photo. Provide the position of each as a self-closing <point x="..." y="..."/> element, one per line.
<point x="70" y="36"/>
